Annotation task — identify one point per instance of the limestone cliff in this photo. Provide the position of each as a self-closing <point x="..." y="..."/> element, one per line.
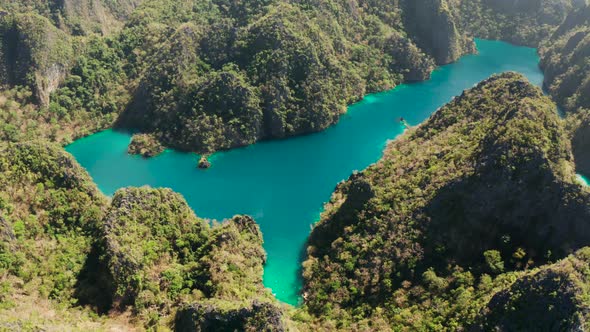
<point x="565" y="59"/>
<point x="436" y="29"/>
<point x="33" y="53"/>
<point x="579" y="128"/>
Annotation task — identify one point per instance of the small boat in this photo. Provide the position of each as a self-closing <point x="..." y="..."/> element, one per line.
<point x="404" y="122"/>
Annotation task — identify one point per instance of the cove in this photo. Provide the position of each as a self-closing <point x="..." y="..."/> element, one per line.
<point x="284" y="184"/>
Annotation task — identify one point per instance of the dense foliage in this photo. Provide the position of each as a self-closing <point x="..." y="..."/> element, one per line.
<point x="426" y="239"/>
<point x="523" y="22"/>
<point x="145" y="145"/>
<point x="565" y="59"/>
<point x="553" y="298"/>
<point x="179" y="258"/>
<point x="433" y="216"/>
<point x="34" y="53"/>
<point x="210" y="75"/>
<point x="50" y="213"/>
<point x="144" y="251"/>
<point x="219" y="77"/>
<point x="77" y="17"/>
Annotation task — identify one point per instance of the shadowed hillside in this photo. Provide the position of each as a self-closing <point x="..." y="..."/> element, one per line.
<point x="485" y="186"/>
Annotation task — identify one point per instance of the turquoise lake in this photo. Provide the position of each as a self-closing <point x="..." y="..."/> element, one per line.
<point x="284" y="184"/>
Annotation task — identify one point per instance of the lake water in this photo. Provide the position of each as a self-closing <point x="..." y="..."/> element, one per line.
<point x="284" y="184"/>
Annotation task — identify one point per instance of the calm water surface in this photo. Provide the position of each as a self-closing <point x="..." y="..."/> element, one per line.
<point x="284" y="184"/>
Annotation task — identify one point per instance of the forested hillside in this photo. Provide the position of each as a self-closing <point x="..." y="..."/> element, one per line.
<point x="138" y="256"/>
<point x="226" y="77"/>
<point x="426" y="239"/>
<point x="523" y="22"/>
<point x="209" y="75"/>
<point x="566" y="62"/>
<point x="484" y="187"/>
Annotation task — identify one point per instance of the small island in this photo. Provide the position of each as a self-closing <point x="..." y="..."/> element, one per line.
<point x="145" y="145"/>
<point x="204" y="162"/>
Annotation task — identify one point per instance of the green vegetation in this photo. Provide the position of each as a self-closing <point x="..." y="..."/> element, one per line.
<point x="64" y="245"/>
<point x="50" y="213"/>
<point x="529" y="22"/>
<point x="34" y="53"/>
<point x="180" y="259"/>
<point x="78" y="17"/>
<point x="427" y="239"/>
<point x="565" y="59"/>
<point x="209" y="75"/>
<point x="146" y="145"/>
<point x="212" y="75"/>
<point x="485" y="187"/>
<point x="220" y="77"/>
<point x="554" y="298"/>
<point x="566" y="62"/>
<point x="258" y="317"/>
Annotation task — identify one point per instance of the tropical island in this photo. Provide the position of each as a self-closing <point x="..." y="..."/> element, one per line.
<point x="471" y="220"/>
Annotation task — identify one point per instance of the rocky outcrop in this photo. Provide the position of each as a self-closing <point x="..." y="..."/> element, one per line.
<point x="86" y="16"/>
<point x="204" y="162"/>
<point x="410" y="60"/>
<point x="259" y="316"/>
<point x="50" y="163"/>
<point x="150" y="239"/>
<point x="436" y="30"/>
<point x="218" y="112"/>
<point x="145" y="145"/>
<point x="6" y="232"/>
<point x="158" y="254"/>
<point x="34" y="53"/>
<point x="579" y="126"/>
<point x="237" y="243"/>
<point x="553" y="298"/>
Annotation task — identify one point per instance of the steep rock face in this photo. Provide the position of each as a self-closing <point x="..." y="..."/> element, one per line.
<point x="33" y="53"/>
<point x="579" y="126"/>
<point x="489" y="171"/>
<point x="554" y="298"/>
<point x="523" y="22"/>
<point x="78" y="17"/>
<point x="88" y="16"/>
<point x="436" y="29"/>
<point x="409" y="59"/>
<point x="565" y="59"/>
<point x="259" y="316"/>
<point x="6" y="232"/>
